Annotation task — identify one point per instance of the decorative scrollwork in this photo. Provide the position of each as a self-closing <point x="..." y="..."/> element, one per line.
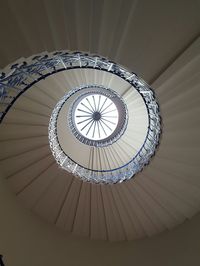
<point x="23" y="75"/>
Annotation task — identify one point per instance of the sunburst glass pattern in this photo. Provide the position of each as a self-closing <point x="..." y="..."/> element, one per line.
<point x="96" y="117"/>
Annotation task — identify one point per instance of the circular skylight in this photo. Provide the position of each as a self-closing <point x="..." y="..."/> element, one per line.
<point x="107" y="129"/>
<point x="96" y="117"/>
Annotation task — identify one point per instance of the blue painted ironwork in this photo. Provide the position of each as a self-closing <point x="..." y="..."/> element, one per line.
<point x="23" y="75"/>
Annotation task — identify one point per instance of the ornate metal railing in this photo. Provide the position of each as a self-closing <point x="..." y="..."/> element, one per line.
<point x="21" y="76"/>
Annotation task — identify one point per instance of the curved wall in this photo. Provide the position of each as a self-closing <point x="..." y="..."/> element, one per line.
<point x="25" y="240"/>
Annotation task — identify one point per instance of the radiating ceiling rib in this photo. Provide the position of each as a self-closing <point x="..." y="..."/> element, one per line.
<point x="82" y="221"/>
<point x="175" y="169"/>
<point x="127" y="25"/>
<point x="104" y="214"/>
<point x="129" y="205"/>
<point x="51" y="12"/>
<point x="179" y="177"/>
<point x="21" y="178"/>
<point x="14" y="147"/>
<point x="182" y="159"/>
<point x="150" y="210"/>
<point x="171" y="200"/>
<point x="96" y="12"/>
<point x="20" y="162"/>
<point x="60" y="208"/>
<point x="146" y="221"/>
<point x="114" y="225"/>
<point x="50" y="89"/>
<point x="98" y="228"/>
<point x="182" y="206"/>
<point x="36" y="95"/>
<point x="184" y="115"/>
<point x="17" y="152"/>
<point x="53" y="196"/>
<point x="167" y="205"/>
<point x="13" y="132"/>
<point x="119" y="216"/>
<point x="126" y="222"/>
<point x="83" y="24"/>
<point x="112" y="157"/>
<point x="25" y="104"/>
<point x="186" y="65"/>
<point x="182" y="142"/>
<point x="182" y="75"/>
<point x="158" y="208"/>
<point x="69" y="41"/>
<point x="177" y="188"/>
<point x="184" y="89"/>
<point x="33" y="113"/>
<point x="192" y="153"/>
<point x="24" y="118"/>
<point x="130" y="220"/>
<point x="78" y="194"/>
<point x="68" y="212"/>
<point x="36" y="187"/>
<point x="70" y="15"/>
<point x="77" y="79"/>
<point x="174" y="59"/>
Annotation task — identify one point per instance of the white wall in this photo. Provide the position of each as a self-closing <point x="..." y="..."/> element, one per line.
<point x="26" y="240"/>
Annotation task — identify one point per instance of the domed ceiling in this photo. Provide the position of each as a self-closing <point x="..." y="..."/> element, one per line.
<point x="158" y="41"/>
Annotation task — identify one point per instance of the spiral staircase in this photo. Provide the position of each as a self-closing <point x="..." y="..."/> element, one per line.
<point x="163" y="195"/>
